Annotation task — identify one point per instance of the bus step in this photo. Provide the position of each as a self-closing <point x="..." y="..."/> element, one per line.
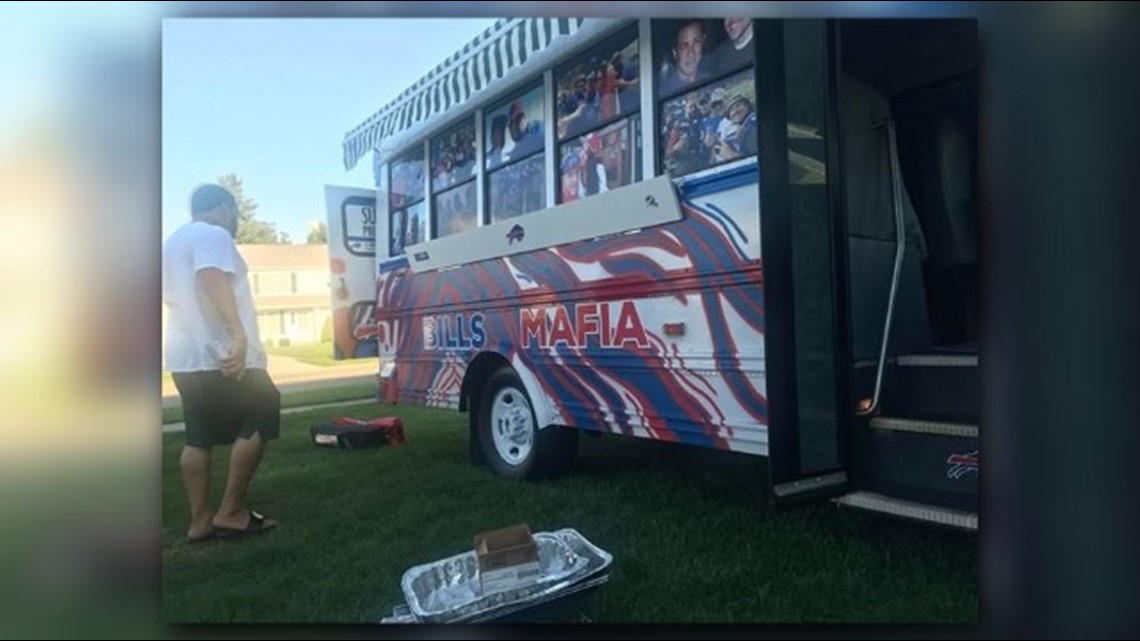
<point x="939" y="428"/>
<point x="924" y="461"/>
<point x="910" y="510"/>
<point x="930" y="385"/>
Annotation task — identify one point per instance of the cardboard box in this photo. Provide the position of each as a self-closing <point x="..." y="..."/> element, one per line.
<point x="508" y="558"/>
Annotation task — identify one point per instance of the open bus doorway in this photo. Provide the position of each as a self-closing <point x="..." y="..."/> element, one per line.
<point x="907" y="100"/>
<point x="922" y="76"/>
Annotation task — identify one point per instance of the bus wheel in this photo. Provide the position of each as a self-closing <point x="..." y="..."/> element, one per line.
<point x="508" y="429"/>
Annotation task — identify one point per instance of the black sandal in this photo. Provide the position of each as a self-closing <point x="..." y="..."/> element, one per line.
<point x="256" y="525"/>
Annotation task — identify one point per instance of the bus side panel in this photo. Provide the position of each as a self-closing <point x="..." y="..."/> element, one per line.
<point x="701" y="384"/>
<point x="657" y="333"/>
<point x="682" y="358"/>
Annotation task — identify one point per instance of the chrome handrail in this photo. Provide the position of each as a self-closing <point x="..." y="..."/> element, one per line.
<point x="900" y="248"/>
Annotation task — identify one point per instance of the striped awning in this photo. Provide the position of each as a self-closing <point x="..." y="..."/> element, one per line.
<point x="510" y="48"/>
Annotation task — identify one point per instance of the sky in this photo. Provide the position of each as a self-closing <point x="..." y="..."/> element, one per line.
<point x="271" y="99"/>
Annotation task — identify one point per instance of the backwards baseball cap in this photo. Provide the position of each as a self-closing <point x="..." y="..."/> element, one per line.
<point x="718" y="95"/>
<point x="594" y="142"/>
<point x="208" y="198"/>
<point x="739" y="98"/>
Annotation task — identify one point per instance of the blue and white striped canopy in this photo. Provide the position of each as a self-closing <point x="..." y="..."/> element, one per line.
<point x="511" y="47"/>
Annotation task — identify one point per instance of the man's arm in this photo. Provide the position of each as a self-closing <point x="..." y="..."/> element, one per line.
<point x="603" y="180"/>
<point x="216" y="284"/>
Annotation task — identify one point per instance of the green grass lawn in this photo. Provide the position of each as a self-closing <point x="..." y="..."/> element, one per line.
<point x="689" y="539"/>
<point x="349" y="392"/>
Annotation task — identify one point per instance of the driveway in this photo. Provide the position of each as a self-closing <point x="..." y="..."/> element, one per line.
<point x="292" y="375"/>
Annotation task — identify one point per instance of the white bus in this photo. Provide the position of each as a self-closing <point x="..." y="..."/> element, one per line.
<point x="751" y="235"/>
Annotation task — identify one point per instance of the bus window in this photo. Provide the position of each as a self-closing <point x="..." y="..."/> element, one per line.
<point x="517" y="189"/>
<point x="396" y="233"/>
<point x="453" y="180"/>
<point x="453" y="157"/>
<point x="707" y="92"/>
<point x="599" y="161"/>
<point x="599" y="87"/>
<point x="713" y="124"/>
<point x="597" y="94"/>
<point x="735" y="51"/>
<point x="454" y="210"/>
<point x="690" y="52"/>
<point x="406" y="200"/>
<point x="514" y="134"/>
<point x="415" y="224"/>
<point x="407" y="179"/>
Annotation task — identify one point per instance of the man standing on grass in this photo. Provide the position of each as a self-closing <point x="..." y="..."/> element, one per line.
<point x="214" y="353"/>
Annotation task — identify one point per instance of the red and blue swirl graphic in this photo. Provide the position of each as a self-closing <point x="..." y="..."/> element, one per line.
<point x="587" y="322"/>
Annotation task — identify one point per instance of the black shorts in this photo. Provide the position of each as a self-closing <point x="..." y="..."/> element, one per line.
<point x="218" y="410"/>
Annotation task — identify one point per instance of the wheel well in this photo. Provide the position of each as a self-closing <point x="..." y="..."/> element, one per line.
<point x="480" y="369"/>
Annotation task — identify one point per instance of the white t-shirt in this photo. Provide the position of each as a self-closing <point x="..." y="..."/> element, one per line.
<point x="727" y="132"/>
<point x="195" y="334"/>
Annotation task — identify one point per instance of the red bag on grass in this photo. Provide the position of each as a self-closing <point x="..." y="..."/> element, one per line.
<point x="353" y="433"/>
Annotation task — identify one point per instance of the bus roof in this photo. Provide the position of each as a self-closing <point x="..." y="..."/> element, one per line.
<point x="480" y="71"/>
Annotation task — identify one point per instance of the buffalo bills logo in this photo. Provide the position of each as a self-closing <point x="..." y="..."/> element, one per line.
<point x="516" y="233"/>
<point x="362" y="321"/>
<point x="962" y="464"/>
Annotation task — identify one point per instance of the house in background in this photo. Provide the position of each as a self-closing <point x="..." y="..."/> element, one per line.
<point x="290" y="285"/>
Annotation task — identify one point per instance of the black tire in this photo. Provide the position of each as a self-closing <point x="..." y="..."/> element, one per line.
<point x="551" y="450"/>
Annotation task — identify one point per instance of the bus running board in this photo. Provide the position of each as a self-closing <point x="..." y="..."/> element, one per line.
<point x="937" y="428"/>
<point x="910" y="510"/>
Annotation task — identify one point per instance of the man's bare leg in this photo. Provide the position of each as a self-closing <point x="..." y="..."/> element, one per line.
<point x="195" y="463"/>
<point x="245" y="456"/>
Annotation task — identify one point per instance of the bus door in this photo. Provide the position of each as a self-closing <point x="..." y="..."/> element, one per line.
<point x="808" y="411"/>
<point x="352" y="233"/>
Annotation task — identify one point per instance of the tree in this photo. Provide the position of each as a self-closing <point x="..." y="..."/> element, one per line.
<point x="318" y="234"/>
<point x="251" y="231"/>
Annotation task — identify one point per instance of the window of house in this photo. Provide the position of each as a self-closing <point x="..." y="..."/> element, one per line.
<point x="312" y="282"/>
<point x="274" y="283"/>
<point x="305" y="320"/>
<point x="265" y="324"/>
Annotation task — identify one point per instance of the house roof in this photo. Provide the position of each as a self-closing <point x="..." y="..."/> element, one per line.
<point x="269" y="302"/>
<point x="285" y="256"/>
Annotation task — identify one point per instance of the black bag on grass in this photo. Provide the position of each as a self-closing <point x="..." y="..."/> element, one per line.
<point x="352" y="433"/>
